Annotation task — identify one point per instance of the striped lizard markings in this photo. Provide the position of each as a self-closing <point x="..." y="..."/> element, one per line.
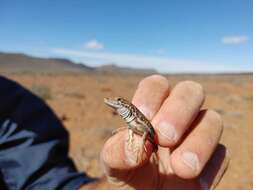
<point x="137" y="123"/>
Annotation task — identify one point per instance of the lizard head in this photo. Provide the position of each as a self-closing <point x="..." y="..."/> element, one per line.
<point x="121" y="105"/>
<point x="117" y="102"/>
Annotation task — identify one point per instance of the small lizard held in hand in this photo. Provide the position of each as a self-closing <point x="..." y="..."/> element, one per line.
<point x="136" y="121"/>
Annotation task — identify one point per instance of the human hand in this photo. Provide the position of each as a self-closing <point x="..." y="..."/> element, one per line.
<point x="189" y="156"/>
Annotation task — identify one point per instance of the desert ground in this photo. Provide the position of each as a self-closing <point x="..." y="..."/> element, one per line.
<point x="78" y="100"/>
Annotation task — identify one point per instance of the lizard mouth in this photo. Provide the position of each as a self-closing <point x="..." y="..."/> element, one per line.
<point x="112" y="103"/>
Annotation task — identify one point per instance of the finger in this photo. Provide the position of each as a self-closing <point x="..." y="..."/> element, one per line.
<point x="116" y="154"/>
<point x="215" y="168"/>
<point x="189" y="159"/>
<point x="150" y="94"/>
<point x="177" y="112"/>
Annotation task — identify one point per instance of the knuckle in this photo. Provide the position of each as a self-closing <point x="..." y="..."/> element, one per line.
<point x="157" y="79"/>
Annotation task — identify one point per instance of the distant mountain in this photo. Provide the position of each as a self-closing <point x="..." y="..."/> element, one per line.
<point x="18" y="63"/>
<point x="13" y="62"/>
<point x="113" y="68"/>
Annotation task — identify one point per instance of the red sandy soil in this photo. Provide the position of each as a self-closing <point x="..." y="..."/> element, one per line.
<point x="78" y="101"/>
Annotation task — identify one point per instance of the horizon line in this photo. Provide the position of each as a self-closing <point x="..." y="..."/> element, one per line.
<point x="220" y="72"/>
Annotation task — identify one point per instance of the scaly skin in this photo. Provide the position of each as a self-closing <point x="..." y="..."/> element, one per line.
<point x="136" y="121"/>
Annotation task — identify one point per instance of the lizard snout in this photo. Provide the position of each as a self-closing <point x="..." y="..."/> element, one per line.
<point x="112" y="103"/>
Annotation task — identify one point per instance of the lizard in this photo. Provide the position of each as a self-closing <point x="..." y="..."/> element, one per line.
<point x="136" y="121"/>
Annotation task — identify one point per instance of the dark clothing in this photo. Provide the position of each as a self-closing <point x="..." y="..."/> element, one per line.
<point x="33" y="144"/>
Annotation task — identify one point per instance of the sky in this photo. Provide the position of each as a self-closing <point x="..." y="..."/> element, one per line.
<point x="173" y="36"/>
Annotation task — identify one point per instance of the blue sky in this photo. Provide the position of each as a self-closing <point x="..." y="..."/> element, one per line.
<point x="169" y="35"/>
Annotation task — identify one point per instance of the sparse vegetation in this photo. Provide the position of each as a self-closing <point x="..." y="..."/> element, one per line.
<point x="106" y="89"/>
<point x="42" y="91"/>
<point x="75" y="95"/>
<point x="249" y="98"/>
<point x="78" y="102"/>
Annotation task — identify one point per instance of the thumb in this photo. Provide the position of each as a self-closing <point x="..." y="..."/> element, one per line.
<point x="118" y="154"/>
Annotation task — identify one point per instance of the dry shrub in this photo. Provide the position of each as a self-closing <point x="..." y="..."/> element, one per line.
<point x="42" y="91"/>
<point x="76" y="95"/>
<point x="106" y="89"/>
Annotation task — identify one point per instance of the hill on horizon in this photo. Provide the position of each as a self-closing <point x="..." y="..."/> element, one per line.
<point x="17" y="62"/>
<point x="20" y="63"/>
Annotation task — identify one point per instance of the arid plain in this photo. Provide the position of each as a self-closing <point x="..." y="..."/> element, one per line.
<point x="77" y="99"/>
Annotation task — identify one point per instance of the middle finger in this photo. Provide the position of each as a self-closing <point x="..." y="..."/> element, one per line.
<point x="177" y="112"/>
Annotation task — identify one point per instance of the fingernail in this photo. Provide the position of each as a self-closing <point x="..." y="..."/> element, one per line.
<point x="168" y="131"/>
<point x="191" y="159"/>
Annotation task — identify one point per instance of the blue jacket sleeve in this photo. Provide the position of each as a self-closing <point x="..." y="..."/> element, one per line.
<point x="33" y="144"/>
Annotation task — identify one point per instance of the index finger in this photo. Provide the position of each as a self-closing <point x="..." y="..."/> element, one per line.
<point x="149" y="96"/>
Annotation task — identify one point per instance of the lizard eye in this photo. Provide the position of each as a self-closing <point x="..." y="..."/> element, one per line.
<point x="119" y="99"/>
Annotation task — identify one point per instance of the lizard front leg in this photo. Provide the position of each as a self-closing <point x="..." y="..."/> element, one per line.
<point x="130" y="139"/>
<point x="137" y="149"/>
<point x="143" y="140"/>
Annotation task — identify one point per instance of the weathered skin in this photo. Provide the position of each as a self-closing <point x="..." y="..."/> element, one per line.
<point x="136" y="121"/>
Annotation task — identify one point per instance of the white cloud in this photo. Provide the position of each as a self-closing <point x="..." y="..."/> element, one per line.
<point x="93" y="44"/>
<point x="235" y="40"/>
<point x="161" y="64"/>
